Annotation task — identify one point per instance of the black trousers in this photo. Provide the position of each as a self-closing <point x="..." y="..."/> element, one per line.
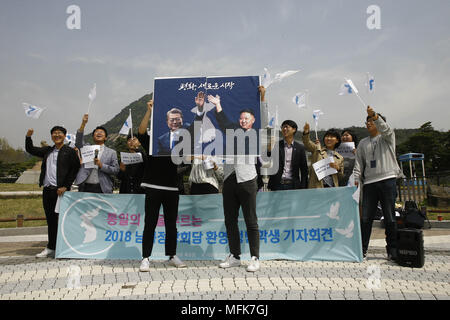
<point x="49" y="198"/>
<point x="203" y="188"/>
<point x="154" y="198"/>
<point x="88" y="187"/>
<point x="236" y="195"/>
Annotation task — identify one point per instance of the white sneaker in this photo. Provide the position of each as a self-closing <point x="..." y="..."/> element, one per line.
<point x="254" y="265"/>
<point x="145" y="265"/>
<point x="230" y="262"/>
<point x="176" y="262"/>
<point x="46" y="253"/>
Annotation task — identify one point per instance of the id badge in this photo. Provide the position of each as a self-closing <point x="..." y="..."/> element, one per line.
<point x="373" y="163"/>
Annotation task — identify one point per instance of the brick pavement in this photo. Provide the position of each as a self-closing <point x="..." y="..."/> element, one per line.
<point x="23" y="277"/>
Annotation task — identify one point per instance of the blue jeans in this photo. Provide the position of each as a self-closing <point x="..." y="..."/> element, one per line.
<point x="385" y="192"/>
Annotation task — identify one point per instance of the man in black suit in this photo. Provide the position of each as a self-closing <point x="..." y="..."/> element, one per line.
<point x="59" y="168"/>
<point x="293" y="167"/>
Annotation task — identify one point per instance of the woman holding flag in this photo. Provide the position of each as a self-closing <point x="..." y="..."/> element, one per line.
<point x="331" y="140"/>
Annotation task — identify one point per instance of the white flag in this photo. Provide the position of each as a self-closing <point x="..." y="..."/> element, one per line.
<point x="345" y="89"/>
<point x="32" y="111"/>
<point x="70" y="139"/>
<point x="300" y="99"/>
<point x="267" y="79"/>
<point x="350" y="83"/>
<point x="316" y="115"/>
<point x="93" y="93"/>
<point x="281" y="76"/>
<point x="273" y="122"/>
<point x="126" y="126"/>
<point x="370" y="83"/>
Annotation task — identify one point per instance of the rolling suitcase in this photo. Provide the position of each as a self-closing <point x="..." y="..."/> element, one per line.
<point x="410" y="251"/>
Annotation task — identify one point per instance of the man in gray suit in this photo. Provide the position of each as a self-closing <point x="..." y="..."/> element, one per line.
<point x="97" y="179"/>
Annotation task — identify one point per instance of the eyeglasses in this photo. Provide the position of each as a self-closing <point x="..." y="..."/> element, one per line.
<point x="174" y="120"/>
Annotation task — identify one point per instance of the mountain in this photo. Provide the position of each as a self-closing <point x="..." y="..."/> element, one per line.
<point x="113" y="126"/>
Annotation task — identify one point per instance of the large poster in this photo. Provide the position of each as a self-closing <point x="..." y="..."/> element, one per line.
<point x="312" y="224"/>
<point x="191" y="115"/>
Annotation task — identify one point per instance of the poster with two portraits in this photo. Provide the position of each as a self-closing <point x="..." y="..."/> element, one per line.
<point x="210" y="116"/>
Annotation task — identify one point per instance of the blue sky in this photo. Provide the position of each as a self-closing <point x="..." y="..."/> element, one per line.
<point x="123" y="45"/>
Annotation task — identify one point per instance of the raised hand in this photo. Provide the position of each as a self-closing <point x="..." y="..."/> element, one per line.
<point x="215" y="100"/>
<point x="30" y="132"/>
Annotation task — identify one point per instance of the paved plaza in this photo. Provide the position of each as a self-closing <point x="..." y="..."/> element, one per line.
<point x="24" y="277"/>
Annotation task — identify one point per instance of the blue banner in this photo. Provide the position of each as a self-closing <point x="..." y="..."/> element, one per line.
<point x="180" y="101"/>
<point x="312" y="224"/>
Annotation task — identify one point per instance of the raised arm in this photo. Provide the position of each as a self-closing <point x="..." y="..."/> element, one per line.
<point x="143" y="125"/>
<point x="30" y="148"/>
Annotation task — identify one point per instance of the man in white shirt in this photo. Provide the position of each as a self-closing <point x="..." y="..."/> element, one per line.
<point x="239" y="190"/>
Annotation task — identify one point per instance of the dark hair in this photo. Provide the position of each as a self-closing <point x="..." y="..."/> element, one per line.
<point x="248" y="111"/>
<point x="129" y="135"/>
<point x="352" y="133"/>
<point x="100" y="128"/>
<point x="334" y="133"/>
<point x="290" y="123"/>
<point x="380" y="115"/>
<point x="62" y="129"/>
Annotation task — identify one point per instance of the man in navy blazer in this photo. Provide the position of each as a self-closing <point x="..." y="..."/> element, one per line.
<point x="97" y="180"/>
<point x="287" y="176"/>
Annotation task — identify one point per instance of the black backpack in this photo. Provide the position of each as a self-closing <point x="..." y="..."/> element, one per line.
<point x="413" y="217"/>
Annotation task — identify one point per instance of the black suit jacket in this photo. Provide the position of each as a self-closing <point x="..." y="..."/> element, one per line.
<point x="67" y="165"/>
<point x="299" y="165"/>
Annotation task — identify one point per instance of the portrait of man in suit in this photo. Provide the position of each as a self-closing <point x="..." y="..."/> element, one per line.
<point x="168" y="140"/>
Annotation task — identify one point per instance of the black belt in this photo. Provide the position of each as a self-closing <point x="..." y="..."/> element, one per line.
<point x="286" y="181"/>
<point x="51" y="188"/>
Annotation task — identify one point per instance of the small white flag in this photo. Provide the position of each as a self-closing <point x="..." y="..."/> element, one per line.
<point x="267" y="80"/>
<point x="350" y="83"/>
<point x="70" y="139"/>
<point x="93" y="93"/>
<point x="370" y="83"/>
<point x="32" y="111"/>
<point x="316" y="116"/>
<point x="300" y="99"/>
<point x="345" y="89"/>
<point x="273" y="122"/>
<point x="127" y="125"/>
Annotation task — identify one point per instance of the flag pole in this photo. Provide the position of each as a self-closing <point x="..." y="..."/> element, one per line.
<point x="131" y="125"/>
<point x="364" y="104"/>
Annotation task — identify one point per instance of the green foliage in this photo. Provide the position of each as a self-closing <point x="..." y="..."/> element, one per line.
<point x="433" y="144"/>
<point x="14" y="161"/>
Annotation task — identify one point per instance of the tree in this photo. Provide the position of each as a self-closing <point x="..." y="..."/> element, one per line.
<point x="433" y="144"/>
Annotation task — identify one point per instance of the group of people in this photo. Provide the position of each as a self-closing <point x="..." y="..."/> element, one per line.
<point x="374" y="167"/>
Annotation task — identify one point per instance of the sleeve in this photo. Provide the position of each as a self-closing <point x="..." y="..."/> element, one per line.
<point x="144" y="139"/>
<point x="223" y="121"/>
<point x="79" y="140"/>
<point x="309" y="145"/>
<point x="387" y="133"/>
<point x="74" y="166"/>
<point x="303" y="169"/>
<point x="34" y="151"/>
<point x="111" y="166"/>
<point x="358" y="169"/>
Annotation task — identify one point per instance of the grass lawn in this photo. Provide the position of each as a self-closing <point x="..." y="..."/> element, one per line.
<point x="32" y="207"/>
<point x="19" y="187"/>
